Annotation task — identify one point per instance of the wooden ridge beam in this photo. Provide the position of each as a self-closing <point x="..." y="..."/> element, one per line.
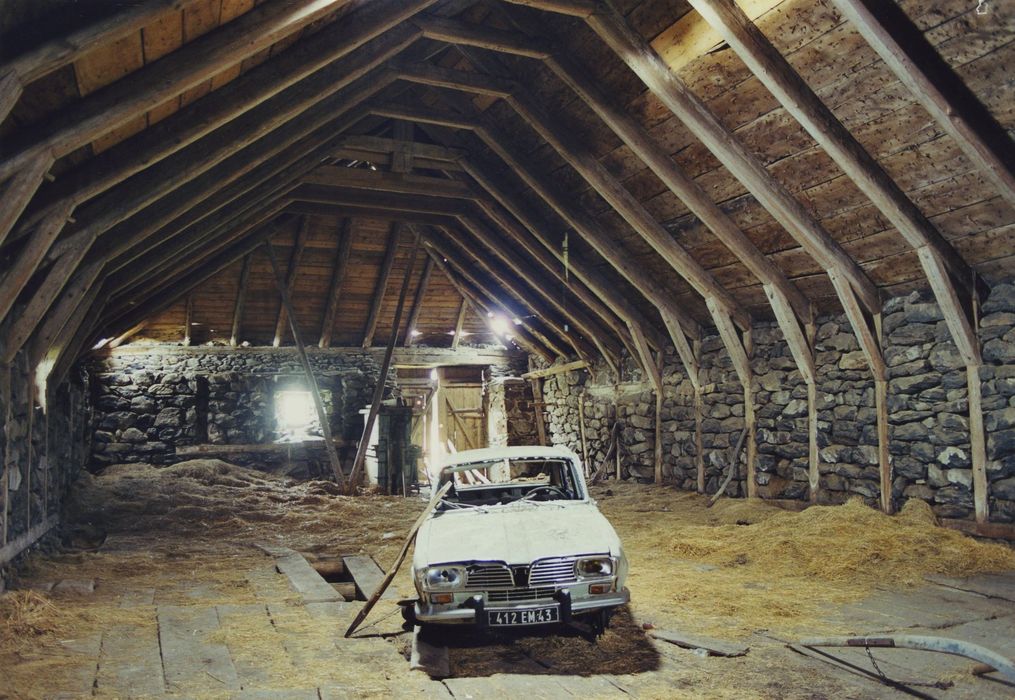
<point x="150" y="86"/>
<point x="417" y="302"/>
<point x="944" y="96"/>
<point x="387" y="264"/>
<point x="332" y="176"/>
<point x="341" y="268"/>
<point x="241" y="300"/>
<point x="302" y="237"/>
<point x="314" y="60"/>
<point x="425" y="151"/>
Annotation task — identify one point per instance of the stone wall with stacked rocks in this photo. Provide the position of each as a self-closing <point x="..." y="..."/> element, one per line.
<point x="43" y="447"/>
<point x="927" y="407"/>
<point x="148" y="403"/>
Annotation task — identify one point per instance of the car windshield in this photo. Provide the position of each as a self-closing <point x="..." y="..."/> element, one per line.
<point x="502" y="481"/>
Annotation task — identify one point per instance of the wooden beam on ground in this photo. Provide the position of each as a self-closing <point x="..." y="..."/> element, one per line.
<point x="315" y="391"/>
<point x="632" y="48"/>
<point x="150" y="86"/>
<point x="382" y="377"/>
<point x="390" y="251"/>
<point x="942" y="94"/>
<point x="337" y="280"/>
<point x="459" y="324"/>
<point x="29" y="258"/>
<point x="241" y="300"/>
<point x="417" y="302"/>
<point x="21" y="187"/>
<point x="302" y="236"/>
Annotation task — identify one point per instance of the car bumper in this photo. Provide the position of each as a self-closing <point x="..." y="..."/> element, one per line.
<point x="474" y="611"/>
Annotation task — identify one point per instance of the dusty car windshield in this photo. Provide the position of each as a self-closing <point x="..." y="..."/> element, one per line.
<point x="504" y="481"/>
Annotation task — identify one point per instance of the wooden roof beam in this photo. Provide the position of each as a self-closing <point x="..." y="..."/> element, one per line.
<point x="944" y="96"/>
<point x="337" y="176"/>
<point x="341" y="269"/>
<point x="417" y="302"/>
<point x="302" y="237"/>
<point x="144" y="89"/>
<point x="727" y="148"/>
<point x="241" y="300"/>
<point x="390" y="252"/>
<point x="312" y="68"/>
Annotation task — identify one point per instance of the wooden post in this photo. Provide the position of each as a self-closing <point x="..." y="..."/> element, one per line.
<point x="813" y="475"/>
<point x="417" y="303"/>
<point x="375" y="403"/>
<point x="459" y="323"/>
<point x="539" y="404"/>
<point x="241" y="300"/>
<point x="337" y="280"/>
<point x="978" y="445"/>
<point x="659" y="436"/>
<point x="290" y="278"/>
<point x="382" y="285"/>
<point x="699" y="446"/>
<point x="5" y="395"/>
<point x="884" y="458"/>
<point x="581" y="431"/>
<point x="188" y="319"/>
<point x="315" y="392"/>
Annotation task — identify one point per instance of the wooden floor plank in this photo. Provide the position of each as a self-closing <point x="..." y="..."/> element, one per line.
<point x="190" y="661"/>
<point x="130" y="664"/>
<point x="367" y="575"/>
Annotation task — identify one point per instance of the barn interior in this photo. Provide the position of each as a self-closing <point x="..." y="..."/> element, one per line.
<point x="264" y="264"/>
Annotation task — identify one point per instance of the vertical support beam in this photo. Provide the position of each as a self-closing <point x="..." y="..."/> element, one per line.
<point x="382" y="285"/>
<point x="737" y="347"/>
<point x="417" y="302"/>
<point x="188" y="319"/>
<point x="459" y="324"/>
<point x="30" y="257"/>
<point x="884" y="458"/>
<point x="813" y="474"/>
<point x="978" y="445"/>
<point x="653" y="370"/>
<point x="241" y="300"/>
<point x="659" y="426"/>
<point x="5" y="394"/>
<point x="290" y="278"/>
<point x="699" y="442"/>
<point x="337" y="280"/>
<point x="375" y="402"/>
<point x="315" y="391"/>
<point x="27" y="483"/>
<point x="21" y="186"/>
<point x="581" y="432"/>
<point x="537" y="401"/>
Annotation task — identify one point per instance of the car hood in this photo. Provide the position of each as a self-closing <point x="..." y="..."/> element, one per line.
<point x="514" y="534"/>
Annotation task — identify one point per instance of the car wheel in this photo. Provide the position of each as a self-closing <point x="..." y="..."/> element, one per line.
<point x="409" y="614"/>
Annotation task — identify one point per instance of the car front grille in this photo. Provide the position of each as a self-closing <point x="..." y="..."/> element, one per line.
<point x="487" y="576"/>
<point x="515" y="595"/>
<point x="553" y="572"/>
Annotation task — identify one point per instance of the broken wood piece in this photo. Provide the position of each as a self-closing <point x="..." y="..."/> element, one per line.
<point x="715" y="647"/>
<point x="734" y="456"/>
<point x="432" y="660"/>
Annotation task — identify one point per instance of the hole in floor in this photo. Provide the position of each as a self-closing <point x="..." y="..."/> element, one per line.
<point x="334" y="571"/>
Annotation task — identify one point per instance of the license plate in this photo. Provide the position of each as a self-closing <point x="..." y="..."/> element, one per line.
<point x="536" y="616"/>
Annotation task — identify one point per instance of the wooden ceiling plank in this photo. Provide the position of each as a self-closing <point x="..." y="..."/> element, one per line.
<point x="241" y="301"/>
<point x="590" y="230"/>
<point x="417" y="302"/>
<point x="747" y="168"/>
<point x="152" y="85"/>
<point x="992" y="156"/>
<point x="252" y="90"/>
<point x="775" y="72"/>
<point x="55" y="54"/>
<point x="341" y="269"/>
<point x="387" y="264"/>
<point x="302" y="236"/>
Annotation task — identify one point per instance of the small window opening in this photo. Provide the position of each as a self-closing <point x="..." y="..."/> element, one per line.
<point x="296" y="416"/>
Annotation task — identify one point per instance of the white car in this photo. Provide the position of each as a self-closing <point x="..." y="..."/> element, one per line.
<point x="516" y="541"/>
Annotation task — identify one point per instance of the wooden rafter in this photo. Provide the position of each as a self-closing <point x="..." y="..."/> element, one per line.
<point x="241" y="301"/>
<point x="302" y="237"/>
<point x="377" y="300"/>
<point x="341" y="268"/>
<point x="456" y="340"/>
<point x="417" y="303"/>
<point x="29" y="258"/>
<point x="21" y="186"/>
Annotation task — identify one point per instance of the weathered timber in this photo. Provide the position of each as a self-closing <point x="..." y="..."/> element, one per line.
<point x="387" y="181"/>
<point x="315" y="391"/>
<point x="302" y="236"/>
<point x="188" y="318"/>
<point x="459" y="323"/>
<point x="29" y="258"/>
<point x="21" y="187"/>
<point x="555" y="369"/>
<point x="417" y="302"/>
<point x="337" y="280"/>
<point x="387" y="264"/>
<point x="241" y="301"/>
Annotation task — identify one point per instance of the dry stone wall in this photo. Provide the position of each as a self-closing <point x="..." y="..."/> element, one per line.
<point x="927" y="408"/>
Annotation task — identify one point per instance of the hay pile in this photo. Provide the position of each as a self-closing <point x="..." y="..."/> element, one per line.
<point x="744" y="566"/>
<point x="209" y="499"/>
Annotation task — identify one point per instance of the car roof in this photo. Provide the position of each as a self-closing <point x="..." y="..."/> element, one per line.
<point x="517" y="452"/>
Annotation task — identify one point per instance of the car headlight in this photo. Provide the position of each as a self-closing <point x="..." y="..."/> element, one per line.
<point x="443" y="577"/>
<point x="595" y="567"/>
